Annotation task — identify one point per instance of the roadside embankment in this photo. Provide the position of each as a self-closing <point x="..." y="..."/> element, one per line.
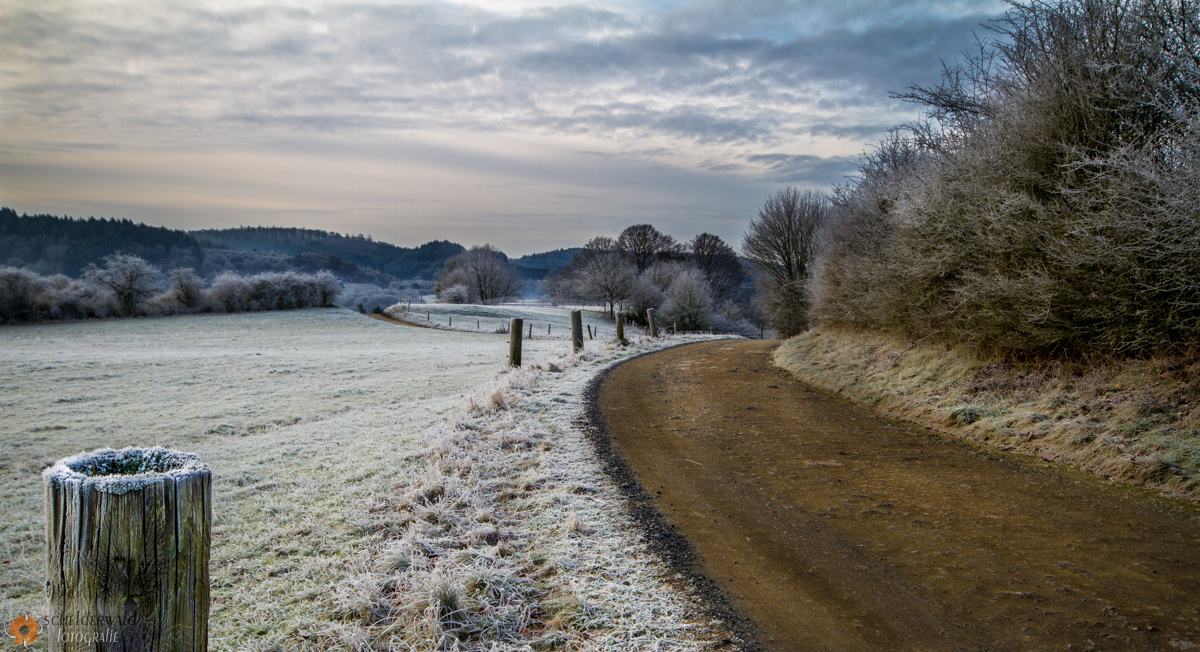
<point x="1131" y="420"/>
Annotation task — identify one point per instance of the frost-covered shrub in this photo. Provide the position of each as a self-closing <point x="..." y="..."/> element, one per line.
<point x="64" y="298"/>
<point x="1050" y="204"/>
<point x="688" y="305"/>
<point x="270" y="291"/>
<point x="454" y="294"/>
<point x="663" y="273"/>
<point x="132" y="279"/>
<point x="228" y="292"/>
<point x="187" y="289"/>
<point x="27" y="297"/>
<point x="327" y="288"/>
<point x="645" y="296"/>
<point x="124" y="287"/>
<point x="18" y="290"/>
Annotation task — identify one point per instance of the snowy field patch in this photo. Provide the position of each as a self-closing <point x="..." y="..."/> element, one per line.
<point x="375" y="486"/>
<point x="488" y="319"/>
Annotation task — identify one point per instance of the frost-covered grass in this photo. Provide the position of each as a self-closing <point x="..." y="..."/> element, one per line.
<point x="488" y="319"/>
<point x="1129" y="419"/>
<point x="375" y="486"/>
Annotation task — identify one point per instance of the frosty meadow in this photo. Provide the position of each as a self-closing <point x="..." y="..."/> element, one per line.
<point x="375" y="486"/>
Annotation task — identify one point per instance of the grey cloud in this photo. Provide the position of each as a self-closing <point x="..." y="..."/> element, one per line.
<point x="404" y="64"/>
<point x="805" y="170"/>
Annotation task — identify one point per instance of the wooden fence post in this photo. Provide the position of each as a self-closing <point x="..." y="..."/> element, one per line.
<point x="576" y="330"/>
<point x="620" y="327"/>
<point x="127" y="542"/>
<point x="531" y="330"/>
<point x="514" y="341"/>
<point x="653" y="326"/>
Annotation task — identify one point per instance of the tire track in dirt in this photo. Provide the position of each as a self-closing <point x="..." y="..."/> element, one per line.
<point x="834" y="529"/>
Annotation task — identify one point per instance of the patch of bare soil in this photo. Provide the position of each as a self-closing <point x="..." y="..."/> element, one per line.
<point x="832" y="528"/>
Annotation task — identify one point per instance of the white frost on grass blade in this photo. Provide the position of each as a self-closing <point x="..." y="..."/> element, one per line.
<point x="516" y="538"/>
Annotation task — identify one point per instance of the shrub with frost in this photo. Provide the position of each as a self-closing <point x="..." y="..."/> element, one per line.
<point x="227" y="293"/>
<point x="688" y="305"/>
<point x="132" y="280"/>
<point x="457" y="293"/>
<point x="19" y="289"/>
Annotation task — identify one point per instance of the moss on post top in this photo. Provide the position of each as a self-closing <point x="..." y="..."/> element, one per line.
<point x="121" y="471"/>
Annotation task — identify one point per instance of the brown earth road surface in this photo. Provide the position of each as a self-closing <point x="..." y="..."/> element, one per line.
<point x="834" y="529"/>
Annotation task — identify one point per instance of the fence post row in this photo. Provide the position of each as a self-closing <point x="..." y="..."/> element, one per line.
<point x="514" y="341"/>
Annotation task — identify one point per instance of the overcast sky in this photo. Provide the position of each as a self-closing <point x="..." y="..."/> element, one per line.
<point x="529" y="125"/>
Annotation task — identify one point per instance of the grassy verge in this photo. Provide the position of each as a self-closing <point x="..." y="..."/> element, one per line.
<point x="1131" y="420"/>
<point x="512" y="538"/>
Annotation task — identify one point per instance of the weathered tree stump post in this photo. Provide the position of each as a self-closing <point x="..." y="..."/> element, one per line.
<point x="576" y="330"/>
<point x="515" y="326"/>
<point x="127" y="540"/>
<point x="620" y="327"/>
<point x="653" y="326"/>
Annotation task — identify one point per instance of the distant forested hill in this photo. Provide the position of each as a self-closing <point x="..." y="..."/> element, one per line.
<point x="538" y="266"/>
<point x="314" y="245"/>
<point x="66" y="245"/>
<point x="48" y="244"/>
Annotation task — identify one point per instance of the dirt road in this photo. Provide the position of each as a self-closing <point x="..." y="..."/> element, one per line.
<point x="833" y="529"/>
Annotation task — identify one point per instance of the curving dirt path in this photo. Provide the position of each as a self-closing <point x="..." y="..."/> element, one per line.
<point x="833" y="529"/>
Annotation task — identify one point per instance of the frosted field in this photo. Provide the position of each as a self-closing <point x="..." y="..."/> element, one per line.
<point x="488" y="318"/>
<point x="375" y="486"/>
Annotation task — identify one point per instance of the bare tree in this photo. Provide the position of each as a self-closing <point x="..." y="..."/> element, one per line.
<point x="132" y="280"/>
<point x="644" y="244"/>
<point x="607" y="277"/>
<point x="782" y="245"/>
<point x="486" y="273"/>
<point x="720" y="265"/>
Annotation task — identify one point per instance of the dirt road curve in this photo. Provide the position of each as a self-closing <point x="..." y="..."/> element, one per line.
<point x="833" y="529"/>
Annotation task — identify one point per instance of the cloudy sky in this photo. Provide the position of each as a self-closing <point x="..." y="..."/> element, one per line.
<point x="529" y="125"/>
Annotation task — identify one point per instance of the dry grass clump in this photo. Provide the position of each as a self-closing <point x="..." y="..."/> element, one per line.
<point x="1128" y="419"/>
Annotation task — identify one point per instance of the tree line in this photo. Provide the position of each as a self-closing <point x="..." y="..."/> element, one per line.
<point x="129" y="286"/>
<point x="1048" y="202"/>
<point x="697" y="285"/>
